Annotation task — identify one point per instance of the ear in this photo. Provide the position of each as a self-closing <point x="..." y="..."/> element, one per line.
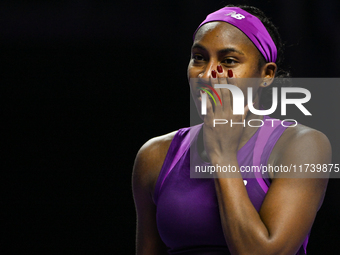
<point x="268" y="74"/>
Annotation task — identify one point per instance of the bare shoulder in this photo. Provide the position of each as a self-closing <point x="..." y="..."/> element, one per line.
<point x="298" y="149"/>
<point x="303" y="138"/>
<point x="302" y="132"/>
<point x="301" y="145"/>
<point x="149" y="161"/>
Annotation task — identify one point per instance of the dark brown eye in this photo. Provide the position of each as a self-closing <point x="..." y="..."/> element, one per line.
<point x="198" y="57"/>
<point x="230" y="61"/>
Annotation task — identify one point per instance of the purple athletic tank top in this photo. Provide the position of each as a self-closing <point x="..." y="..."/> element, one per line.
<point x="187" y="216"/>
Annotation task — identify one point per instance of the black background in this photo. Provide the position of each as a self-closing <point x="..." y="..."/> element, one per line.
<point x="86" y="83"/>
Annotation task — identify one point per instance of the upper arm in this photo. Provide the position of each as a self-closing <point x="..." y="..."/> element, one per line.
<point x="293" y="199"/>
<point x="148" y="163"/>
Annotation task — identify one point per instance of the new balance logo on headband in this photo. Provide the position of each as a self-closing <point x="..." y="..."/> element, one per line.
<point x="235" y="15"/>
<point x="250" y="25"/>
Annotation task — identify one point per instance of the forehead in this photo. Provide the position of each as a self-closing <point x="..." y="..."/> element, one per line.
<point x="222" y="34"/>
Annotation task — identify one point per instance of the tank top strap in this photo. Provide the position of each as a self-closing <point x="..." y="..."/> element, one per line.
<point x="179" y="145"/>
<point x="265" y="131"/>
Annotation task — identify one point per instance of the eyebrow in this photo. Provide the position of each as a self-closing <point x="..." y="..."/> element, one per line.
<point x="220" y="52"/>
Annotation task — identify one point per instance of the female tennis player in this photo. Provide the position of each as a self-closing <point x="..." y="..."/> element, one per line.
<point x="246" y="213"/>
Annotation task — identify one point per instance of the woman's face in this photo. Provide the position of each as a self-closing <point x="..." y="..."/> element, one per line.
<point x="219" y="43"/>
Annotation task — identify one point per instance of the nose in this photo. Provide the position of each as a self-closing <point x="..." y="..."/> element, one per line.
<point x="207" y="72"/>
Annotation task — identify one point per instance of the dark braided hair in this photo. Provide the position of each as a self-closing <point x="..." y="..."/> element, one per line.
<point x="266" y="95"/>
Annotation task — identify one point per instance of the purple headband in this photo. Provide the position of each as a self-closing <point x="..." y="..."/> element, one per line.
<point x="250" y="25"/>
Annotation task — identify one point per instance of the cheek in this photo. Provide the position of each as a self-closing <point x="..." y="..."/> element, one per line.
<point x="249" y="71"/>
<point x="193" y="70"/>
<point x="190" y="71"/>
